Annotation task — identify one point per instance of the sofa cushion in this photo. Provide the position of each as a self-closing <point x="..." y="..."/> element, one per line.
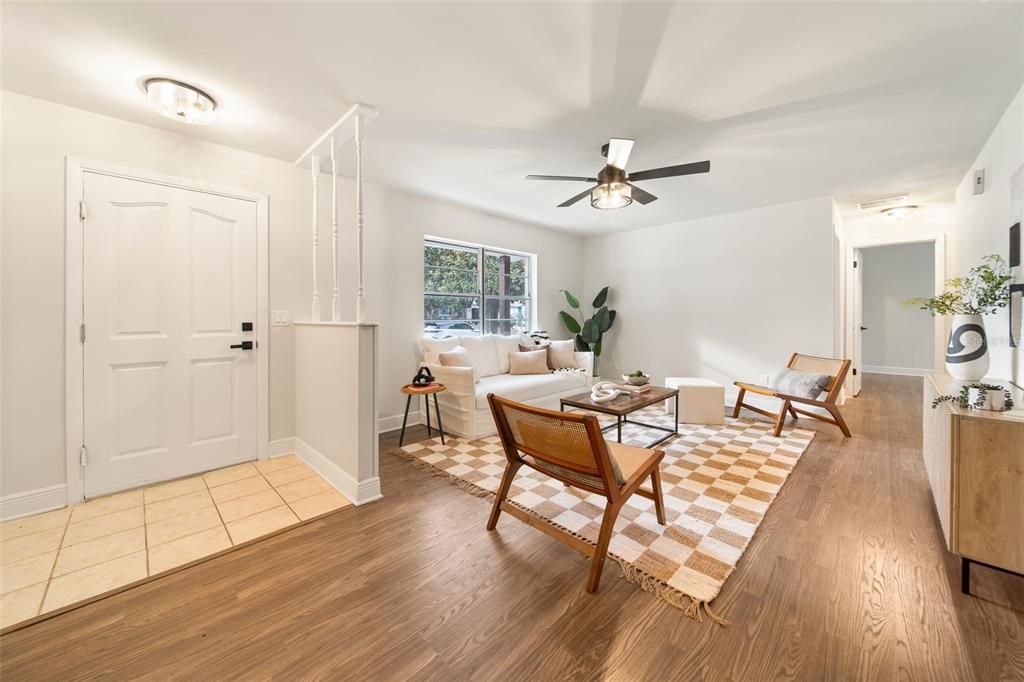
<point x="483" y="352"/>
<point x="505" y="345"/>
<point x="431" y="347"/>
<point x="526" y="387"/>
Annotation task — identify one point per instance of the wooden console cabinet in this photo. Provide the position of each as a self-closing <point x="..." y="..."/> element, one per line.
<point x="975" y="465"/>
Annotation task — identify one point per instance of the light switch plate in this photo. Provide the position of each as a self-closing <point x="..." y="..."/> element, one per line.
<point x="979" y="181"/>
<point x="280" y="318"/>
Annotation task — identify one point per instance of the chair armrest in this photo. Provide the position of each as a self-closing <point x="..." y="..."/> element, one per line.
<point x="755" y="388"/>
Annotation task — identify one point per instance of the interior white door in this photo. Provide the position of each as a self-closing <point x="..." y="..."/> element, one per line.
<point x="169" y="279"/>
<point x="857" y="321"/>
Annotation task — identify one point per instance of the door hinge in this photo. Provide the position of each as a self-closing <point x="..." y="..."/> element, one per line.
<point x="855" y="371"/>
<point x="81" y="209"/>
<point x="854" y="263"/>
<point x="81" y="332"/>
<point x="83" y="456"/>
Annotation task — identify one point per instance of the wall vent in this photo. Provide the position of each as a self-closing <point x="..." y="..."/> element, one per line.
<point x="888" y="202"/>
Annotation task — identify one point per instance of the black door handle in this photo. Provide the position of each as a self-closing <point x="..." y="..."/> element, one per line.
<point x="245" y="345"/>
<point x="863" y="328"/>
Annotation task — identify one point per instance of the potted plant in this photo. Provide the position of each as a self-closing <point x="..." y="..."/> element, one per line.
<point x="589" y="332"/>
<point x="984" y="290"/>
<point x="980" y="396"/>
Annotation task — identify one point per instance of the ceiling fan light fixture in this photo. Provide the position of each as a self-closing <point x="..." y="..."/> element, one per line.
<point x="611" y="195"/>
<point x="179" y="101"/>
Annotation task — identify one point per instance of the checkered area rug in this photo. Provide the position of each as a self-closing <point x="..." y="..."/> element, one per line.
<point x="718" y="482"/>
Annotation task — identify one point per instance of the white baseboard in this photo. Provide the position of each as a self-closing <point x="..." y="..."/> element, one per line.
<point x="33" y="502"/>
<point x="359" y="492"/>
<point x="394" y="422"/>
<point x="902" y="371"/>
<point x="281" y="447"/>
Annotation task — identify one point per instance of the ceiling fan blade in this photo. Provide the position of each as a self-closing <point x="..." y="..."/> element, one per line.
<point x="570" y="202"/>
<point x="618" y="152"/>
<point x="644" y="197"/>
<point x="572" y="178"/>
<point x="672" y="171"/>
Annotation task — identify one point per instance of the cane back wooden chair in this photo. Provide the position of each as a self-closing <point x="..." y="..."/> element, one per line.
<point x="834" y="368"/>
<point x="570" y="448"/>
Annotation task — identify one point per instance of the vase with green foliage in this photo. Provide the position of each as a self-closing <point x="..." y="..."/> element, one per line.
<point x="984" y="290"/>
<point x="589" y="332"/>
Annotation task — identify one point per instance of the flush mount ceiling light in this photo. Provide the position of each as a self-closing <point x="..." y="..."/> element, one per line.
<point x="180" y="101"/>
<point x="899" y="212"/>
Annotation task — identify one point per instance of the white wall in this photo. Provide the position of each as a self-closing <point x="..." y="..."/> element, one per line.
<point x="36" y="137"/>
<point x="726" y="297"/>
<point x="898" y="337"/>
<point x="983" y="224"/>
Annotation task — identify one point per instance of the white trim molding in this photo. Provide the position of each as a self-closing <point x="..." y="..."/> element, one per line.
<point x="75" y="169"/>
<point x="357" y="492"/>
<point x="33" y="502"/>
<point x="900" y="371"/>
<point x="281" y="447"/>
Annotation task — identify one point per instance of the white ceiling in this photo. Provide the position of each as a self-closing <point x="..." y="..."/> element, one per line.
<point x="788" y="101"/>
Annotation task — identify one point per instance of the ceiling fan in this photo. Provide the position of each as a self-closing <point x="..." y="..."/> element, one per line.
<point x="614" y="187"/>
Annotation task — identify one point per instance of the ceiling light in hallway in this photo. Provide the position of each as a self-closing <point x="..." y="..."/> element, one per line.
<point x="899" y="212"/>
<point x="179" y="101"/>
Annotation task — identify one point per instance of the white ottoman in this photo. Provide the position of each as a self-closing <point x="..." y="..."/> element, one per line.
<point x="701" y="401"/>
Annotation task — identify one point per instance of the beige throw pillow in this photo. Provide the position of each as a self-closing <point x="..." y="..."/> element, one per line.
<point x="562" y="354"/>
<point x="528" y="362"/>
<point x="459" y="357"/>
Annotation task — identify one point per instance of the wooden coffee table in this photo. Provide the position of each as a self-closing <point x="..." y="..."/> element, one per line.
<point x="624" y="405"/>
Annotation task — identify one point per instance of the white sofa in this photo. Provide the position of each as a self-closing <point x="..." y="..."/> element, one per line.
<point x="464" y="408"/>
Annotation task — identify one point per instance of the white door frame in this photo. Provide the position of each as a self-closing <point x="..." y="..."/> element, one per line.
<point x="937" y="238"/>
<point x="74" y="369"/>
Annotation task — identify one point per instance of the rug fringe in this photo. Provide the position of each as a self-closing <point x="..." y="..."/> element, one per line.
<point x="690" y="606"/>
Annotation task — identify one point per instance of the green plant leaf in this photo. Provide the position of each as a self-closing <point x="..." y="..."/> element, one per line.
<point x="570" y="322"/>
<point x="581" y="345"/>
<point x="590" y="332"/>
<point x="601" y="319"/>
<point x="611" y="321"/>
<point x="571" y="300"/>
<point x="597" y="349"/>
<point x="601" y="297"/>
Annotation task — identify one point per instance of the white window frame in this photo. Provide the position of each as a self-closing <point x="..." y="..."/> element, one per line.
<point x="483" y="250"/>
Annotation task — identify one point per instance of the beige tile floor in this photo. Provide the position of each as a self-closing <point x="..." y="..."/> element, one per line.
<point x="54" y="559"/>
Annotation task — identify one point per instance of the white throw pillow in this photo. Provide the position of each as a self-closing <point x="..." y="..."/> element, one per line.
<point x="431" y="347"/>
<point x="459" y="357"/>
<point x="505" y="345"/>
<point x="484" y="354"/>
<point x="562" y="354"/>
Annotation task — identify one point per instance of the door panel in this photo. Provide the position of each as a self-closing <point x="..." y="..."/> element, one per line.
<point x="169" y="277"/>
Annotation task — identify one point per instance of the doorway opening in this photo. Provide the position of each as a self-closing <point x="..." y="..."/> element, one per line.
<point x="884" y="335"/>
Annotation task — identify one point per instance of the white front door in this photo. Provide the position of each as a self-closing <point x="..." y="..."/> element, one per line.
<point x="857" y="321"/>
<point x="169" y="280"/>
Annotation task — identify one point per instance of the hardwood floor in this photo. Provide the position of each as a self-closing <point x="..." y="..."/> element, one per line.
<point x="845" y="580"/>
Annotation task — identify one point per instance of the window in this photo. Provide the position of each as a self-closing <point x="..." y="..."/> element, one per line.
<point x="475" y="289"/>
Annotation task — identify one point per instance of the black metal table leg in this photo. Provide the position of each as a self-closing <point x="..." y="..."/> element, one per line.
<point x="677" y="412"/>
<point x="437" y="410"/>
<point x="618" y="427"/>
<point x="405" y="418"/>
<point x="965" y="575"/>
<point x="429" y="432"/>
